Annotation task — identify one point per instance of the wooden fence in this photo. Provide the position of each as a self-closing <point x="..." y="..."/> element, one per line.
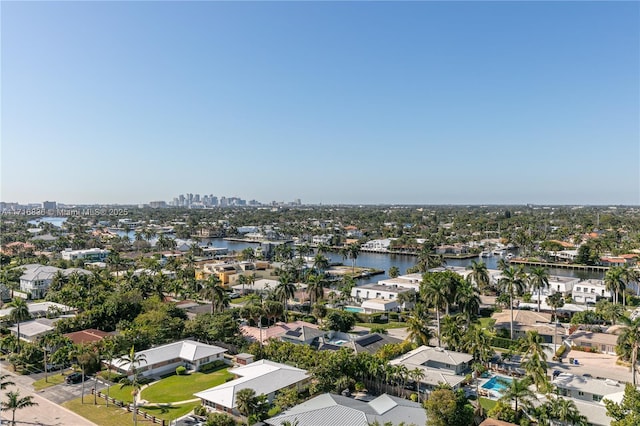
<point x="129" y="407"/>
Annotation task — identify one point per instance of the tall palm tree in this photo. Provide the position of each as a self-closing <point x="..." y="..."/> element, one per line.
<point x="534" y="358"/>
<point x="4" y="383"/>
<point x="108" y="351"/>
<point x="14" y="403"/>
<point x="477" y="342"/>
<point x="512" y="283"/>
<point x="519" y="393"/>
<point x="538" y="280"/>
<point x="133" y="360"/>
<point x="354" y="251"/>
<point x="630" y="275"/>
<point x="315" y="288"/>
<point x="242" y="280"/>
<point x="629" y="343"/>
<point x="246" y="401"/>
<point x="433" y="290"/>
<point x="19" y="313"/>
<point x="417" y="330"/>
<point x="555" y="301"/>
<point x="479" y="274"/>
<point x="84" y="356"/>
<point x="320" y="263"/>
<point x="453" y="331"/>
<point x="285" y="290"/>
<point x="213" y="291"/>
<point x="614" y="282"/>
<point x="468" y="300"/>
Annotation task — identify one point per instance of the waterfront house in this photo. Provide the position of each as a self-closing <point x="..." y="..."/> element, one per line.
<point x="264" y="377"/>
<point x="90" y="255"/>
<point x="589" y="291"/>
<point x="381" y="292"/>
<point x="166" y="358"/>
<point x="331" y="410"/>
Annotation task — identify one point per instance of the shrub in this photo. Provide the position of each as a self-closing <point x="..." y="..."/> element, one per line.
<point x="561" y="350"/>
<point x="181" y="370"/>
<point x="274" y="411"/>
<point x="212" y="366"/>
<point x="503" y="342"/>
<point x="200" y="410"/>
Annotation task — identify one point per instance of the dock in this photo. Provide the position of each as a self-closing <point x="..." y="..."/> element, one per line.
<point x="591" y="268"/>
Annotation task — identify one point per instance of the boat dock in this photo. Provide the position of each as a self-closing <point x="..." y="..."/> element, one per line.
<point x="592" y="268"/>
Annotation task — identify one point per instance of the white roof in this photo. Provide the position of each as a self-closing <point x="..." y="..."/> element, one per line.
<point x="34" y="328"/>
<point x="379" y="304"/>
<point x="187" y="350"/>
<point x="263" y="376"/>
<point x="39" y="308"/>
<point x="586" y="384"/>
<point x="424" y="354"/>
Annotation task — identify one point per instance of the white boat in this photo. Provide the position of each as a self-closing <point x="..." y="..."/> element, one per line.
<point x="509" y="256"/>
<point x="499" y="252"/>
<point x="485" y="253"/>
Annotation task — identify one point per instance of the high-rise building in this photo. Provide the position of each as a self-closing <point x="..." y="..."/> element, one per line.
<point x="49" y="205"/>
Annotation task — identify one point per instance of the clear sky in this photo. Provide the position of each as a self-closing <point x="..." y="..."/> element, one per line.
<point x="355" y="102"/>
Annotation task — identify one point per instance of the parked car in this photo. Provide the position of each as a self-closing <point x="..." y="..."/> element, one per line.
<point x="556" y="373"/>
<point x="234" y="295"/>
<point x="73" y="378"/>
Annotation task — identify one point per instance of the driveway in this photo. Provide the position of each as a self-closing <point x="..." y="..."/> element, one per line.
<point x="46" y="413"/>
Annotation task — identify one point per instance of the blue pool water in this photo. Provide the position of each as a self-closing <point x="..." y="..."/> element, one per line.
<point x="498" y="384"/>
<point x="353" y="309"/>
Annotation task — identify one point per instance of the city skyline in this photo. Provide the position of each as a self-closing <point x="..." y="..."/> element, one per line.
<point x="335" y="103"/>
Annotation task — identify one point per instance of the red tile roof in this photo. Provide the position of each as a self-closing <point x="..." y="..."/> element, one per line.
<point x="89" y="335"/>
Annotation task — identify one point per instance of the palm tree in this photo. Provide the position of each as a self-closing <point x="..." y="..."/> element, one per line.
<point x="19" y="313"/>
<point x="418" y="330"/>
<point x="14" y="403"/>
<point x="479" y="274"/>
<point x="534" y="358"/>
<point x="108" y="351"/>
<point x="519" y="393"/>
<point x="4" y="383"/>
<point x="133" y="360"/>
<point x="614" y="282"/>
<point x="354" y="251"/>
<point x="315" y="288"/>
<point x="213" y="291"/>
<point x="246" y="401"/>
<point x="242" y="279"/>
<point x="629" y="343"/>
<point x="453" y="331"/>
<point x="468" y="300"/>
<point x="320" y="263"/>
<point x="477" y="342"/>
<point x="538" y="280"/>
<point x="84" y="356"/>
<point x="629" y="275"/>
<point x="433" y="290"/>
<point x="285" y="290"/>
<point x="555" y="301"/>
<point x="512" y="283"/>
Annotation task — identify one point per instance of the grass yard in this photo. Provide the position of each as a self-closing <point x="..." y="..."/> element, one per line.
<point x="54" y="379"/>
<point x="115" y="416"/>
<point x="392" y="324"/>
<point x="123" y="394"/>
<point x="487" y="404"/>
<point x="181" y="388"/>
<point x="486" y="322"/>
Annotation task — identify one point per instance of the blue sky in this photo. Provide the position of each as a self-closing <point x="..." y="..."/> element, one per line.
<point x="376" y="102"/>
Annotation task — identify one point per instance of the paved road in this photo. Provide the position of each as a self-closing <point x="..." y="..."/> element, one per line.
<point x="46" y="413"/>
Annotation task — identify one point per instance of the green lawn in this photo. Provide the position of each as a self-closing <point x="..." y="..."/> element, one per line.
<point x="392" y="324"/>
<point x="54" y="379"/>
<point x="487" y="404"/>
<point x="120" y="393"/>
<point x="181" y="388"/>
<point x="102" y="415"/>
<point x="486" y="322"/>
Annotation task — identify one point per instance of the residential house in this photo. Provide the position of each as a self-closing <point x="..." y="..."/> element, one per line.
<point x="308" y="333"/>
<point x="42" y="309"/>
<point x="526" y="320"/>
<point x="322" y="239"/>
<point x="380" y="292"/>
<point x="370" y="342"/>
<point x="331" y="410"/>
<point x="36" y="279"/>
<point x="437" y="364"/>
<point x="585" y="388"/>
<point x="602" y="342"/>
<point x="589" y="291"/>
<point x="90" y="255"/>
<point x="166" y="358"/>
<point x="264" y="377"/>
<point x="30" y="331"/>
<point x="376" y="245"/>
<point x="90" y="335"/>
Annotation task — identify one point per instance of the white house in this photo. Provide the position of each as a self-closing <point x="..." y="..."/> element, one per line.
<point x="377" y="245"/>
<point x="378" y="291"/>
<point x="562" y="285"/>
<point x="264" y="377"/>
<point x="585" y="388"/>
<point x="165" y="358"/>
<point x="588" y="291"/>
<point x="322" y="239"/>
<point x="36" y="278"/>
<point x="92" y="254"/>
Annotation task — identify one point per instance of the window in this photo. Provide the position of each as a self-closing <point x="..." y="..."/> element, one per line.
<point x="597" y="398"/>
<point x="580" y="393"/>
<point x="578" y="288"/>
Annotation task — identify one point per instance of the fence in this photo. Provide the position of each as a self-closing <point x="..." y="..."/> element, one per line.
<point x="129" y="407"/>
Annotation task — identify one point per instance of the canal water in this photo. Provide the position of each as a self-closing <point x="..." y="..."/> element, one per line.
<point x="385" y="261"/>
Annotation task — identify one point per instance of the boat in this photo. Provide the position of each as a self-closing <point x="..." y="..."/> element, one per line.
<point x="485" y="253"/>
<point x="499" y="252"/>
<point x="509" y="256"/>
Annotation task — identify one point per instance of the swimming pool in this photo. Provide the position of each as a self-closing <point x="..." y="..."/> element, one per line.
<point x="353" y="309"/>
<point x="498" y="384"/>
